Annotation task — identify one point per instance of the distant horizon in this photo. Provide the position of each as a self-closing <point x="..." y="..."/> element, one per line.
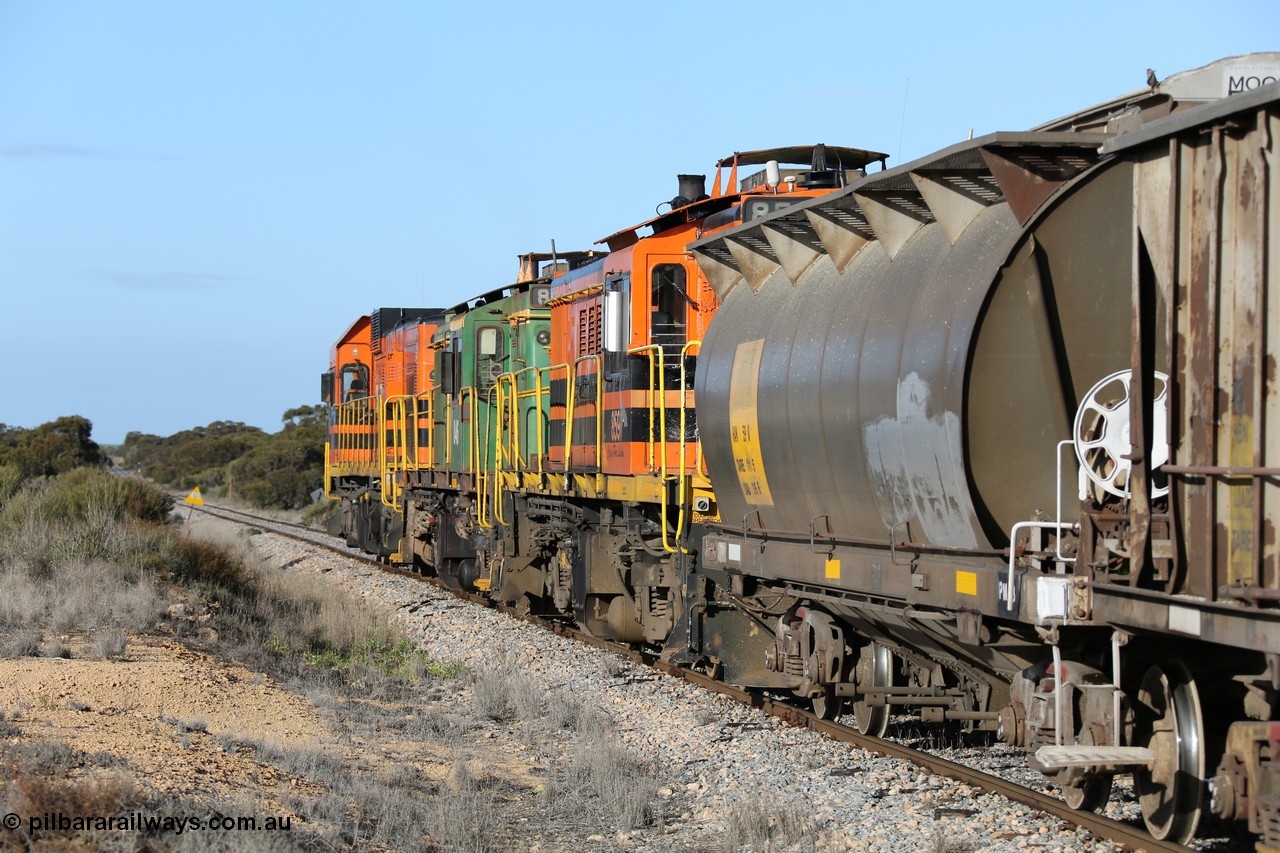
<point x="101" y="443"/>
<point x="201" y="199"/>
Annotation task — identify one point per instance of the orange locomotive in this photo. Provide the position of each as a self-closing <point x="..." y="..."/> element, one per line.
<point x="383" y="356"/>
<point x="539" y="442"/>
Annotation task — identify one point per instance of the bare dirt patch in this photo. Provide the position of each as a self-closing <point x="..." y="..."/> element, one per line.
<point x="178" y="730"/>
<point x="169" y="714"/>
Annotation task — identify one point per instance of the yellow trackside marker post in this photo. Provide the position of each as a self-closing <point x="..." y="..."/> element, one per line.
<point x="192" y="501"/>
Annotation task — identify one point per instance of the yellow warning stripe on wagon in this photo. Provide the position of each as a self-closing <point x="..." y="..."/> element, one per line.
<point x="744" y="423"/>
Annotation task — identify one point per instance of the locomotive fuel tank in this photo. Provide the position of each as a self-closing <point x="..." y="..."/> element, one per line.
<point x="915" y="389"/>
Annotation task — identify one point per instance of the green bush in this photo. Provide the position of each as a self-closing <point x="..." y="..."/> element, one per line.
<point x="319" y="513"/>
<point x="77" y="493"/>
<point x="50" y="448"/>
<point x="81" y="552"/>
<point x="279" y="470"/>
<point x="208" y="563"/>
<point x="10" y="482"/>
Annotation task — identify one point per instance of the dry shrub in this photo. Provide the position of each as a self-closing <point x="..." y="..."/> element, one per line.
<point x="94" y="597"/>
<point x="493" y="696"/>
<point x="109" y="643"/>
<point x="764" y="823"/>
<point x="563" y="713"/>
<point x="455" y="816"/>
<point x="209" y="563"/>
<point x="505" y="694"/>
<point x="602" y="786"/>
<point x="47" y="757"/>
<point x="75" y="558"/>
<point x="21" y="643"/>
<point x="311" y="617"/>
<point x="98" y="595"/>
<point x="106" y="793"/>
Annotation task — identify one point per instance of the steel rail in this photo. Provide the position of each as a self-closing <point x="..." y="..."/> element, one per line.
<point x="1127" y="835"/>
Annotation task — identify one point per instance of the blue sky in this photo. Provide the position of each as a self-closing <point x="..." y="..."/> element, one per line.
<point x="196" y="199"/>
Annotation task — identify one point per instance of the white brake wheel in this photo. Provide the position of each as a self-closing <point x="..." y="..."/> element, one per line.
<point x="1101" y="433"/>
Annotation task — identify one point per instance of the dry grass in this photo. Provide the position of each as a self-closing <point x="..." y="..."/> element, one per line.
<point x="765" y="823"/>
<point x="602" y="786"/>
<point x="597" y="785"/>
<point x="48" y="778"/>
<point x="106" y="793"/>
<point x="399" y="809"/>
<point x="80" y="554"/>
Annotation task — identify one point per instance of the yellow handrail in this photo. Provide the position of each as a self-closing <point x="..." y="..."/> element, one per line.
<point x="660" y="443"/>
<point x="353" y="420"/>
<point x="573" y="387"/>
<point x="516" y="396"/>
<point x="505" y="407"/>
<point x="493" y="430"/>
<point x="499" y="449"/>
<point x="394" y="423"/>
<point x="429" y="397"/>
<point x="328" y="473"/>
<point x="539" y="392"/>
<point x="684" y="408"/>
<point x="660" y="407"/>
<point x="473" y="455"/>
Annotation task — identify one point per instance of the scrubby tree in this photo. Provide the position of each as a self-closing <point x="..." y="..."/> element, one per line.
<point x="266" y="470"/>
<point x="192" y="457"/>
<point x="305" y="416"/>
<point x="50" y="448"/>
<point x="284" y="470"/>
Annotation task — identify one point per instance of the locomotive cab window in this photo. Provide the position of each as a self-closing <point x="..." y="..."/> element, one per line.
<point x="449" y="366"/>
<point x="490" y="356"/>
<point x="670" y="301"/>
<point x="355" y="380"/>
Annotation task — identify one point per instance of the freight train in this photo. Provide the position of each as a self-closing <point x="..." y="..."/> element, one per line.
<point x="989" y="437"/>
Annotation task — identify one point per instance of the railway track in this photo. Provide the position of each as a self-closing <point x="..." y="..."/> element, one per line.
<point x="1129" y="836"/>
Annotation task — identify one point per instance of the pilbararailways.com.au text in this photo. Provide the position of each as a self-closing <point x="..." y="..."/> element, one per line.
<point x="149" y="823"/>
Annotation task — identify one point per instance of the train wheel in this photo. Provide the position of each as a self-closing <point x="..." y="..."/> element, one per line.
<point x="874" y="669"/>
<point x="827" y="705"/>
<point x="1089" y="793"/>
<point x="1167" y="720"/>
<point x="1086" y="790"/>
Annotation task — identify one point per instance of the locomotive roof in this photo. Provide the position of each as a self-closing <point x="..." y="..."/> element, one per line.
<point x="846" y="158"/>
